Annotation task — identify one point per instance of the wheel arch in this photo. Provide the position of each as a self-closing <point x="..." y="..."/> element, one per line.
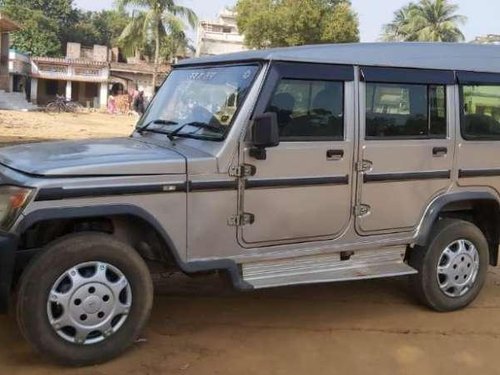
<point x="123" y="210"/>
<point x="480" y="207"/>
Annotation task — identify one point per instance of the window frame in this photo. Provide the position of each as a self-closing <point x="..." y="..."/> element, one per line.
<point x="313" y="138"/>
<point x="409" y="76"/>
<point x="463" y="133"/>
<point x="279" y="70"/>
<point x="414" y="137"/>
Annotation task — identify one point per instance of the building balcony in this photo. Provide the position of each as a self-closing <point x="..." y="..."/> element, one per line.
<point x="69" y="69"/>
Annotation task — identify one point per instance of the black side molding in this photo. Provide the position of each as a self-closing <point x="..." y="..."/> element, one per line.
<point x="294" y="182"/>
<point x="411" y="176"/>
<point x="464" y="173"/>
<point x="212" y="185"/>
<point x="47" y="194"/>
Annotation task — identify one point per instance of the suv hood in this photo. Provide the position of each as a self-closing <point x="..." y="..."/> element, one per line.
<point x="116" y="156"/>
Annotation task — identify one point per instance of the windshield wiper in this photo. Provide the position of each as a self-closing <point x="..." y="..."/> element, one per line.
<point x="198" y="124"/>
<point x="157" y="121"/>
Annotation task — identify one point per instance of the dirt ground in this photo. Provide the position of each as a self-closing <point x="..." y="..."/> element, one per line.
<point x="22" y="127"/>
<point x="199" y="326"/>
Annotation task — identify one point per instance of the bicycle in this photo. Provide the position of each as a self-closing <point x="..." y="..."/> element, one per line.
<point x="61" y="104"/>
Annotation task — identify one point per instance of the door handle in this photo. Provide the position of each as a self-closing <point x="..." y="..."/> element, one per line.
<point x="334" y="155"/>
<point x="439" y="151"/>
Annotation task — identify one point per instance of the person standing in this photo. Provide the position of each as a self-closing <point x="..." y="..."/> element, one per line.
<point x="138" y="105"/>
<point x="111" y="104"/>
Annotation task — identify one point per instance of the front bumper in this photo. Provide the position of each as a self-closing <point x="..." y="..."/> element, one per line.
<point x="8" y="246"/>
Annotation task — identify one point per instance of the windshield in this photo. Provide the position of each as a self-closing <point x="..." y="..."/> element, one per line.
<point x="199" y="102"/>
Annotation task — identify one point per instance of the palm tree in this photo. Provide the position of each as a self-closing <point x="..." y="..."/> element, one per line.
<point x="427" y="20"/>
<point x="135" y="37"/>
<point x="400" y="27"/>
<point x="152" y="23"/>
<point x="176" y="41"/>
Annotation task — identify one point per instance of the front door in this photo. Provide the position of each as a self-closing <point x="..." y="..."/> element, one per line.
<point x="406" y="146"/>
<point x="302" y="190"/>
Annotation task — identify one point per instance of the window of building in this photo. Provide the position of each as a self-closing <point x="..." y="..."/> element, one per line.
<point x="309" y="110"/>
<point x="402" y="111"/>
<point x="226" y="29"/>
<point x="481" y="112"/>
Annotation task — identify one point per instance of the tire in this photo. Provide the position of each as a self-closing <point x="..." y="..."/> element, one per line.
<point x="124" y="297"/>
<point x="53" y="107"/>
<point x="74" y="107"/>
<point x="451" y="246"/>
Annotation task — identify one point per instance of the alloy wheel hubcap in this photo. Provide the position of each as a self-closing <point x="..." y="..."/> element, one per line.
<point x="458" y="268"/>
<point x="89" y="302"/>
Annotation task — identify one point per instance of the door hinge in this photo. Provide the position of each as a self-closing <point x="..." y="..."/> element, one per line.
<point x="363" y="166"/>
<point x="244" y="170"/>
<point x="240" y="220"/>
<point x="361" y="210"/>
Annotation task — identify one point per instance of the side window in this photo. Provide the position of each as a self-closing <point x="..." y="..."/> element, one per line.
<point x="309" y="110"/>
<point x="402" y="111"/>
<point x="481" y="112"/>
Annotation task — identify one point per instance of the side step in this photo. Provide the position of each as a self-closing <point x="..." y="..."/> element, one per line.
<point x="344" y="266"/>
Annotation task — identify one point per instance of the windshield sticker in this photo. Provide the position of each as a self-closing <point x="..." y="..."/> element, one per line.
<point x="202" y="76"/>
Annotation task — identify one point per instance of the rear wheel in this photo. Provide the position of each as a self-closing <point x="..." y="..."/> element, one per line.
<point x="85" y="299"/>
<point x="53" y="107"/>
<point x="452" y="268"/>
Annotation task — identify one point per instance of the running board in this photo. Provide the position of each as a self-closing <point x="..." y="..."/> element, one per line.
<point x="366" y="264"/>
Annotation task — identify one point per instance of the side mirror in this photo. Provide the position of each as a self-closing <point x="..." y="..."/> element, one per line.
<point x="265" y="133"/>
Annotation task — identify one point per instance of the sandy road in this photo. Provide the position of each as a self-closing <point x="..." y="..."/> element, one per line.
<point x="369" y="327"/>
<point x="199" y="326"/>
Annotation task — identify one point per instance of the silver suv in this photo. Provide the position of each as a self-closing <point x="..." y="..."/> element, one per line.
<point x="278" y="167"/>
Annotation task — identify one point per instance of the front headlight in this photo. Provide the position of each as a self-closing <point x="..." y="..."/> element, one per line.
<point x="12" y="201"/>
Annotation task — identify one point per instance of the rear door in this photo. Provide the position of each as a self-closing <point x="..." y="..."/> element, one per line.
<point x="302" y="191"/>
<point x="406" y="146"/>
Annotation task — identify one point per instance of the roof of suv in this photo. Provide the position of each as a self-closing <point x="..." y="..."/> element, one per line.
<point x="446" y="56"/>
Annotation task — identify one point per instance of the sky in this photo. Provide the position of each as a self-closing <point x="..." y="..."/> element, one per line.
<point x="482" y="14"/>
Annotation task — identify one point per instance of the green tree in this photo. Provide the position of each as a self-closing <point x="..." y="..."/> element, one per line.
<point x="44" y="23"/>
<point x="426" y="21"/>
<point x="39" y="33"/>
<point x="102" y="27"/>
<point x="152" y="24"/>
<point x="176" y="41"/>
<point x="48" y="25"/>
<point x="136" y="36"/>
<point x="277" y="23"/>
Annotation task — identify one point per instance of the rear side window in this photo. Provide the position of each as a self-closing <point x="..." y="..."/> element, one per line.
<point x="405" y="111"/>
<point x="309" y="110"/>
<point x="481" y="112"/>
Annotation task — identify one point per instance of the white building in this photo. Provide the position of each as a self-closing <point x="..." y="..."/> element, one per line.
<point x="220" y="36"/>
<point x="81" y="76"/>
<point x="487" y="39"/>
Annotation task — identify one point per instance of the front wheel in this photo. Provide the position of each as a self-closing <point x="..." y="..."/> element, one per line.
<point x="452" y="268"/>
<point x="74" y="107"/>
<point x="84" y="299"/>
